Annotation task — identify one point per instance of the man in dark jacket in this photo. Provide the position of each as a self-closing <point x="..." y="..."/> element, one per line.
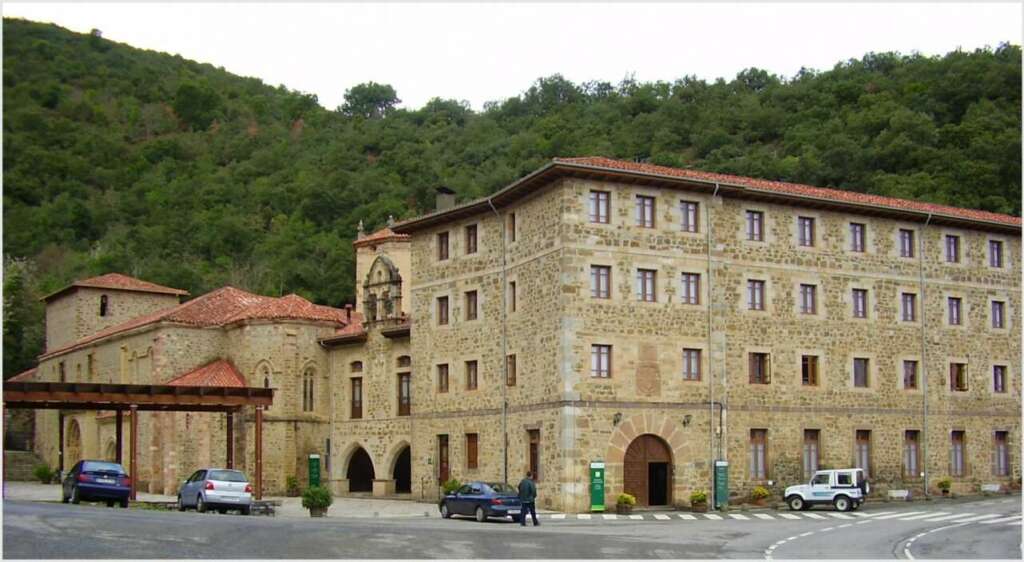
<point x="528" y="497"/>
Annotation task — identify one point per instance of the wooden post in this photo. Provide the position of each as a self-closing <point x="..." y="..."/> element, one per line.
<point x="259" y="452"/>
<point x="119" y="432"/>
<point x="134" y="453"/>
<point x="231" y="439"/>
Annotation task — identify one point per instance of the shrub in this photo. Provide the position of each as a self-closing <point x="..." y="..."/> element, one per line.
<point x="317" y="496"/>
<point x="944" y="484"/>
<point x="292" y="487"/>
<point x="699" y="497"/>
<point x="451" y="485"/>
<point x="759" y="493"/>
<point x="43" y="473"/>
<point x="625" y="499"/>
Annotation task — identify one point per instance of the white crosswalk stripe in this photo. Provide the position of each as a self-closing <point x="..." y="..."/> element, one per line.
<point x="661" y="516"/>
<point x="1016" y="523"/>
<point x="764" y="516"/>
<point x="903" y="514"/>
<point x="789" y="516"/>
<point x="558" y="516"/>
<point x="584" y="516"/>
<point x="925" y="515"/>
<point x="977" y="518"/>
<point x="838" y="515"/>
<point x="610" y="516"/>
<point x="739" y="516"/>
<point x="687" y="516"/>
<point x="1002" y="520"/>
<point x="948" y="517"/>
<point x="713" y="516"/>
<point x="813" y="516"/>
<point x="636" y="517"/>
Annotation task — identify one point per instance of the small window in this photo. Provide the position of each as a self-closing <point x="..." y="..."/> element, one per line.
<point x="755" y="226"/>
<point x="999" y="378"/>
<point x="998" y="321"/>
<point x="645" y="285"/>
<point x="809" y="370"/>
<point x="906" y="243"/>
<point x="956" y="454"/>
<point x="691" y="364"/>
<point x="645" y="211"/>
<point x="805" y="231"/>
<point x="689" y="211"/>
<point x="308" y="382"/>
<point x="860" y="303"/>
<point x="442" y="311"/>
<point x="842" y="479"/>
<point x="534" y="455"/>
<point x="857" y="237"/>
<point x="759" y="368"/>
<point x="512" y="296"/>
<point x="824" y="480"/>
<point x="862" y="451"/>
<point x="510" y="370"/>
<point x="510" y="227"/>
<point x="103" y="305"/>
<point x="758" y="454"/>
<point x="952" y="248"/>
<point x="910" y="375"/>
<point x="404" y="394"/>
<point x="812" y="455"/>
<point x="600" y="281"/>
<point x="860" y="372"/>
<point x="599" y="206"/>
<point x="755" y="294"/>
<point x="356" y="367"/>
<point x="356" y="406"/>
<point x="690" y="293"/>
<point x="808" y="299"/>
<point x="442" y="246"/>
<point x="442" y="378"/>
<point x="1001" y="464"/>
<point x="404" y="361"/>
<point x="471" y="375"/>
<point x="958" y="377"/>
<point x="471" y="239"/>
<point x="911" y="453"/>
<point x="601" y="361"/>
<point x="471" y="450"/>
<point x="471" y="305"/>
<point x="908" y="307"/>
<point x="954" y="305"/>
<point x="995" y="253"/>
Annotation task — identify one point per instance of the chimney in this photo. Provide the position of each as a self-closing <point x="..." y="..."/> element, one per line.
<point x="445" y="198"/>
<point x="348" y="312"/>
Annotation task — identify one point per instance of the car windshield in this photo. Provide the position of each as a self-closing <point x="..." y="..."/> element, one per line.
<point x="502" y="488"/>
<point x="226" y="476"/>
<point x="93" y="466"/>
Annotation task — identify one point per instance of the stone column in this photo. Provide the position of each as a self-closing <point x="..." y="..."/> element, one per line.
<point x="383" y="488"/>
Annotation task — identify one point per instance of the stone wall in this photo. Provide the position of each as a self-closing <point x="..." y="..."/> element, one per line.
<point x="76" y="314"/>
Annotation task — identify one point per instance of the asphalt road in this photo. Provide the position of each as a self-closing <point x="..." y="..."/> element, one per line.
<point x="50" y="530"/>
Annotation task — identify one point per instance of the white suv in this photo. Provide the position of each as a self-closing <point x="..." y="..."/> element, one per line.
<point x="845" y="489"/>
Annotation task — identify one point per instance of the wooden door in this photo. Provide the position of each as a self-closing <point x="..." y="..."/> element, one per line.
<point x="643" y="451"/>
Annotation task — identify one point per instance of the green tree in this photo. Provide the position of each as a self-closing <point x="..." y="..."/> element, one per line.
<point x="197" y="105"/>
<point x="370" y="100"/>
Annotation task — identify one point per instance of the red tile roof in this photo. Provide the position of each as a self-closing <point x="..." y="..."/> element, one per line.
<point x="222" y="307"/>
<point x="24" y="376"/>
<point x="383" y="235"/>
<point x="792" y="189"/>
<point x="119" y="282"/>
<point x="220" y="372"/>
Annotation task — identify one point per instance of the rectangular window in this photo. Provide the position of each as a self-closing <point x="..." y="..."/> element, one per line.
<point x="600" y="281"/>
<point x="906" y="243"/>
<point x="995" y="253"/>
<point x="510" y="370"/>
<point x="999" y="378"/>
<point x="759" y="368"/>
<point x="954" y="311"/>
<point x="691" y="364"/>
<point x="860" y="372"/>
<point x="860" y="303"/>
<point x="956" y="454"/>
<point x="911" y="452"/>
<point x="442" y="246"/>
<point x="443" y="469"/>
<point x="356" y="411"/>
<point x="856" y="237"/>
<point x="534" y="453"/>
<point x="599" y="206"/>
<point x="755" y="294"/>
<point x="952" y="248"/>
<point x="908" y="307"/>
<point x="958" y="377"/>
<point x="689" y="212"/>
<point x="910" y="374"/>
<point x="809" y="370"/>
<point x="442" y="310"/>
<point x="755" y="226"/>
<point x="862" y="451"/>
<point x="471" y="375"/>
<point x="471" y="305"/>
<point x="1001" y="452"/>
<point x="808" y="299"/>
<point x="805" y="227"/>
<point x="690" y="293"/>
<point x="471" y="239"/>
<point x="645" y="211"/>
<point x="811" y="451"/>
<point x="442" y="377"/>
<point x="510" y="227"/>
<point x="601" y="361"/>
<point x="758" y="454"/>
<point x="471" y="450"/>
<point x="997" y="314"/>
<point x="404" y="394"/>
<point x="512" y="296"/>
<point x="645" y="285"/>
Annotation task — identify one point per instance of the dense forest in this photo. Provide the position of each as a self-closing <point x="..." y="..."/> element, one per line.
<point x="121" y="159"/>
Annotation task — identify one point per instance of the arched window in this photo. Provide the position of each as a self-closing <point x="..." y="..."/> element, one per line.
<point x="404" y="361"/>
<point x="265" y="373"/>
<point x="307" y="389"/>
<point x="103" y="305"/>
<point x="356" y="366"/>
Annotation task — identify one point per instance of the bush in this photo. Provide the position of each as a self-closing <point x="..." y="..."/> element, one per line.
<point x="451" y="485"/>
<point x="43" y="473"/>
<point x="944" y="484"/>
<point x="698" y="497"/>
<point x="291" y="485"/>
<point x="759" y="493"/>
<point x="317" y="496"/>
<point x="625" y="499"/>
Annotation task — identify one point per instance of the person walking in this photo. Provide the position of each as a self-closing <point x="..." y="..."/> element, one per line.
<point x="528" y="497"/>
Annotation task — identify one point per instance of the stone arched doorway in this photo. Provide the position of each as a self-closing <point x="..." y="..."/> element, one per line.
<point x="360" y="472"/>
<point x="647" y="470"/>
<point x="402" y="473"/>
<point x="73" y="445"/>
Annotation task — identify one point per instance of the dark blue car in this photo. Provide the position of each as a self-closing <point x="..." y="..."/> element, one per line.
<point x="97" y="481"/>
<point x="482" y="500"/>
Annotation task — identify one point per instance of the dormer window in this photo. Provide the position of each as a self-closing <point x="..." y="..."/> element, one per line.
<point x="103" y="305"/>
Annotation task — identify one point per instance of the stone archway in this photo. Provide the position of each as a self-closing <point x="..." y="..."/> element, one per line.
<point x="402" y="473"/>
<point x="73" y="445"/>
<point x="669" y="432"/>
<point x="110" y="451"/>
<point x="360" y="472"/>
<point x="647" y="470"/>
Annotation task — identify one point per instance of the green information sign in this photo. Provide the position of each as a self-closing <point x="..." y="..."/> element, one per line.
<point x="596" y="485"/>
<point x="721" y="484"/>
<point x="314" y="470"/>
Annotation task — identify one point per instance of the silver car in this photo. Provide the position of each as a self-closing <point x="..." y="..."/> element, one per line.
<point x="216" y="488"/>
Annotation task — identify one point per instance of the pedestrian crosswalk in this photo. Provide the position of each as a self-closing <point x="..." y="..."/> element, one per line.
<point x="750" y="517"/>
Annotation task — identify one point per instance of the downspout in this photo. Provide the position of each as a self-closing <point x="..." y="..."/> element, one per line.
<point x="924" y="368"/>
<point x="504" y="344"/>
<point x="711" y="371"/>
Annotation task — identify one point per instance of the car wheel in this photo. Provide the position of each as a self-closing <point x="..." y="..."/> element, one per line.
<point x="796" y="503"/>
<point x="444" y="511"/>
<point x="841" y="503"/>
<point x="181" y="504"/>
<point x="222" y="511"/>
<point x="63" y="498"/>
<point x="110" y="503"/>
<point x="480" y="515"/>
<point x="75" y="496"/>
<point x="200" y="504"/>
<point x="124" y="503"/>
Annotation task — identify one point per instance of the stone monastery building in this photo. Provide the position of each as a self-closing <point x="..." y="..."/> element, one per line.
<point x="654" y="318"/>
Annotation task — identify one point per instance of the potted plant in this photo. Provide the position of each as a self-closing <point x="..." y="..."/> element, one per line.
<point x="450" y="486"/>
<point x="624" y="504"/>
<point x="317" y="499"/>
<point x="292" y="489"/>
<point x="43" y="473"/>
<point x="944" y="485"/>
<point x="759" y="495"/>
<point x="699" y="501"/>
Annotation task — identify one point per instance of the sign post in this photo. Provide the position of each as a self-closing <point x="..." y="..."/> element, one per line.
<point x="721" y="484"/>
<point x="596" y="485"/>
<point x="314" y="470"/>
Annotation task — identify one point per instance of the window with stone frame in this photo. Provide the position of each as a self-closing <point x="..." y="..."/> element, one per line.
<point x="404" y="394"/>
<point x="690" y="214"/>
<point x="998" y="318"/>
<point x="599" y="207"/>
<point x="103" y="305"/>
<point x="759" y="368"/>
<point x="952" y="248"/>
<point x="403" y="361"/>
<point x="443" y="468"/>
<point x="857" y="238"/>
<point x="510" y="370"/>
<point x="646" y="288"/>
<point x="862" y="451"/>
<point x="809" y="370"/>
<point x="600" y="281"/>
<point x="442" y="311"/>
<point x="957" y="463"/>
<point x="645" y="208"/>
<point x="510" y="227"/>
<point x="909" y="374"/>
<point x="808" y="299"/>
<point x="758" y="454"/>
<point x="1000" y="453"/>
<point x="472" y="442"/>
<point x="691" y="364"/>
<point x="860" y="303"/>
<point x="355" y="367"/>
<point x="755" y="294"/>
<point x="356" y="402"/>
<point x="442" y="246"/>
<point x="533" y="460"/>
<point x="601" y="361"/>
<point x="308" y="389"/>
<point x="995" y="253"/>
<point x="861" y="377"/>
<point x="805" y="231"/>
<point x="512" y="296"/>
<point x="906" y="243"/>
<point x="999" y="379"/>
<point x="812" y="451"/>
<point x="471" y="310"/>
<point x="265" y="373"/>
<point x="471" y="375"/>
<point x="955" y="308"/>
<point x="471" y="240"/>
<point x="690" y="290"/>
<point x="755" y="226"/>
<point x="442" y="377"/>
<point x="958" y="377"/>
<point x="908" y="307"/>
<point x="911" y="453"/>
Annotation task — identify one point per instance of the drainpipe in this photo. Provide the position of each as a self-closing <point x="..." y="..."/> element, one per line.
<point x="504" y="345"/>
<point x="711" y="372"/>
<point x="924" y="369"/>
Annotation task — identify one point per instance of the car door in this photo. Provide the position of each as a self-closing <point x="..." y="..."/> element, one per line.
<point x="460" y="502"/>
<point x="475" y="498"/>
<point x="821" y="487"/>
<point x="191" y="491"/>
<point x="69" y="479"/>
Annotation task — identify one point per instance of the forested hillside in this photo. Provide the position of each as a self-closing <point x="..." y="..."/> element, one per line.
<point x="119" y="159"/>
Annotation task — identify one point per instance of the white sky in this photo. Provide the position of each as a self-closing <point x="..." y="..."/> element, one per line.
<point x="490" y="51"/>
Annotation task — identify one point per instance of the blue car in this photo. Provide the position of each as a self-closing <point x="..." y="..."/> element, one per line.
<point x="97" y="481"/>
<point x="482" y="500"/>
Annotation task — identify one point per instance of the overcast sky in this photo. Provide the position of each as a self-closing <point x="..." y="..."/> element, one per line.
<point x="490" y="51"/>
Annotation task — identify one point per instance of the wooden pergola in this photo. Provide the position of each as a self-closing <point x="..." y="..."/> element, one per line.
<point x="145" y="397"/>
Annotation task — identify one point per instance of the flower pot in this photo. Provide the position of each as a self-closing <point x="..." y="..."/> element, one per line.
<point x="623" y="508"/>
<point x="317" y="511"/>
<point x="759" y="502"/>
<point x="701" y="507"/>
<point x="945" y="492"/>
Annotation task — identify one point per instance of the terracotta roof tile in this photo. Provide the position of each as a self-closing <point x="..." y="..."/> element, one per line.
<point x="24" y="376"/>
<point x="793" y="189"/>
<point x="120" y="282"/>
<point x="383" y="235"/>
<point x="220" y="372"/>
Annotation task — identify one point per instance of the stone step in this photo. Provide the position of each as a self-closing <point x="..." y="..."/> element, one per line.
<point x="18" y="465"/>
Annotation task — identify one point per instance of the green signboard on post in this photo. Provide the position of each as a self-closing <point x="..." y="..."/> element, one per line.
<point x="596" y="485"/>
<point x="314" y="470"/>
<point x="721" y="484"/>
